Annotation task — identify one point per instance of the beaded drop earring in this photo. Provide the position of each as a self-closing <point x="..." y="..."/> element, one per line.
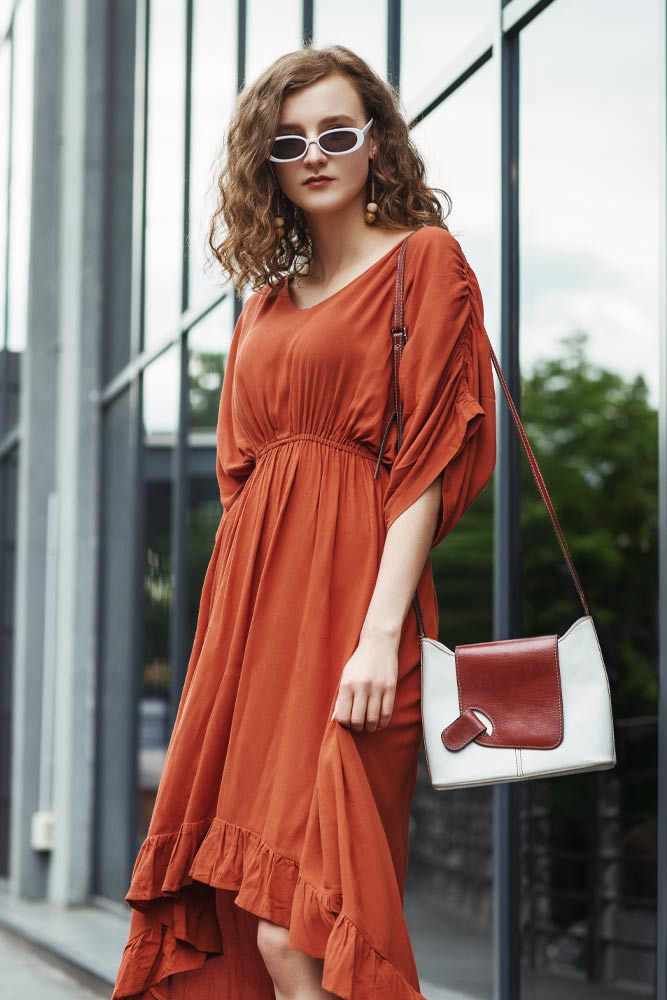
<point x="279" y="222"/>
<point x="371" y="207"/>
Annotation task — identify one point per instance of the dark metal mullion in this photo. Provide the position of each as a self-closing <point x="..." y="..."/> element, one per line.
<point x="179" y="518"/>
<point x="178" y="653"/>
<point x="394" y="43"/>
<point x="242" y="15"/>
<point x="507" y="536"/>
<point x="595" y="924"/>
<point x="661" y="914"/>
<point x="137" y="336"/>
<point x="135" y="395"/>
<point x="307" y="21"/>
<point x="4" y="480"/>
<point x="242" y="26"/>
<point x="102" y="513"/>
<point x="516" y="16"/>
<point x="6" y="711"/>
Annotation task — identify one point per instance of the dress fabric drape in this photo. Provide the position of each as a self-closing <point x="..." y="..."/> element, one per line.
<point x="266" y="806"/>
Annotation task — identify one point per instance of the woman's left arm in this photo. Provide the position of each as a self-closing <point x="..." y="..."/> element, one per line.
<point x="448" y="407"/>
<point x="368" y="682"/>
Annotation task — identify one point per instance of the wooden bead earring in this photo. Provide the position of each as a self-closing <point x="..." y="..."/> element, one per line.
<point x="279" y="223"/>
<point x="371" y="207"/>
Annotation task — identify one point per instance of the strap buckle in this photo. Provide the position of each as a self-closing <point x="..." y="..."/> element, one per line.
<point x="399" y="330"/>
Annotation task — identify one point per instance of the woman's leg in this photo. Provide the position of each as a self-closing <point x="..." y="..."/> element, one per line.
<point x="295" y="975"/>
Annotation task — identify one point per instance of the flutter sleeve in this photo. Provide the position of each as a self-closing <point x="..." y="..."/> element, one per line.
<point x="234" y="461"/>
<point x="446" y="384"/>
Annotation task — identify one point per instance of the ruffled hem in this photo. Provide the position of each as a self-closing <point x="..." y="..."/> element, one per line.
<point x="350" y="962"/>
<point x="174" y="883"/>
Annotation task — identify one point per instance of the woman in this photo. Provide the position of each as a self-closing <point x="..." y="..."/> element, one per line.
<point x="276" y="857"/>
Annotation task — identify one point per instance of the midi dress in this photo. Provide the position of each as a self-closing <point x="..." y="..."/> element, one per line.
<point x="268" y="807"/>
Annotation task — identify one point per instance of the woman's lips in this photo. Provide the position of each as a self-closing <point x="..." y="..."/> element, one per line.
<point x="319" y="183"/>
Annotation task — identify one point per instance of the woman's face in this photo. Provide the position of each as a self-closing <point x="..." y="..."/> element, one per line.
<point x="303" y="113"/>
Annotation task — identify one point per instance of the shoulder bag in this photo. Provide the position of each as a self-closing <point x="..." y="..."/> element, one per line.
<point x="511" y="709"/>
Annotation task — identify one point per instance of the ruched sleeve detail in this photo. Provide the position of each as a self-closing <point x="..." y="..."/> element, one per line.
<point x="446" y="384"/>
<point x="235" y="460"/>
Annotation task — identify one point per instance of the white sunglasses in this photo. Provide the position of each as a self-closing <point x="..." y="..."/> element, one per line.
<point x="333" y="142"/>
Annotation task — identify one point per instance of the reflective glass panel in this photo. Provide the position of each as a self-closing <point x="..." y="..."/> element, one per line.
<point x="589" y="360"/>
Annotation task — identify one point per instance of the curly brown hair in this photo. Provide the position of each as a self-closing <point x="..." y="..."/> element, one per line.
<point x="242" y="234"/>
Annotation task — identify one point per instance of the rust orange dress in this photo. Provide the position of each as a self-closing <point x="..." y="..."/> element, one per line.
<point x="266" y="806"/>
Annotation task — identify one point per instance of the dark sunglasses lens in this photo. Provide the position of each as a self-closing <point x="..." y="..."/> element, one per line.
<point x="288" y="148"/>
<point x="338" y="142"/>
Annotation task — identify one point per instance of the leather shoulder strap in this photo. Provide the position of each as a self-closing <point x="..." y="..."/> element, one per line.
<point x="399" y="335"/>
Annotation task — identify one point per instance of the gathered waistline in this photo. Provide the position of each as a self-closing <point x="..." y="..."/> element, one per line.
<point x="353" y="447"/>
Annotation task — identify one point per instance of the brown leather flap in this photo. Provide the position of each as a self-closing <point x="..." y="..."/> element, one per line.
<point x="516" y="684"/>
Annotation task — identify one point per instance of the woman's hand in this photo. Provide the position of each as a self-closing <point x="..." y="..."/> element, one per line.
<point x="368" y="685"/>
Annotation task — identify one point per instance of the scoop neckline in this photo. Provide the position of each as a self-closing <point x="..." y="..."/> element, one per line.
<point x="371" y="267"/>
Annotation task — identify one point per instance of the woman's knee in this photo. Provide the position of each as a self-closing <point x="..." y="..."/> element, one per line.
<point x="294" y="973"/>
<point x="272" y="943"/>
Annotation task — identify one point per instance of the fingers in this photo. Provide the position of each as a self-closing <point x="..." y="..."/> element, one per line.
<point x="373" y="707"/>
<point x="360" y="710"/>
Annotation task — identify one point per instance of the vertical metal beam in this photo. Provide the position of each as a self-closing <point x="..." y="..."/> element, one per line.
<point x="242" y="28"/>
<point x="36" y="469"/>
<point x="5" y="479"/>
<point x="307" y="21"/>
<point x="178" y="652"/>
<point x="139" y="186"/>
<point x="240" y="77"/>
<point x="5" y="691"/>
<point x="69" y="683"/>
<point x="120" y="488"/>
<point x="187" y="154"/>
<point x="507" y="540"/>
<point x="661" y="957"/>
<point x="136" y="444"/>
<point x="394" y="43"/>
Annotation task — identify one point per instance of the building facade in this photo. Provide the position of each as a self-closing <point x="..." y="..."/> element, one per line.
<point x="544" y="120"/>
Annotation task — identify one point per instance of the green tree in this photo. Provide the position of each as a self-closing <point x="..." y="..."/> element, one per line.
<point x="595" y="436"/>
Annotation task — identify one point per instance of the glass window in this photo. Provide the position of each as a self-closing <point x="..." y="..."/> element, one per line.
<point x="5" y="14"/>
<point x="360" y="27"/>
<point x="21" y="175"/>
<point x="465" y="163"/>
<point x="122" y="196"/>
<point x="590" y="363"/>
<point x="160" y="398"/>
<point x="271" y="32"/>
<point x="208" y="345"/>
<point x="434" y="35"/>
<point x="449" y="888"/>
<point x="164" y="169"/>
<point x="5" y="66"/>
<point x="160" y="422"/>
<point x="213" y="91"/>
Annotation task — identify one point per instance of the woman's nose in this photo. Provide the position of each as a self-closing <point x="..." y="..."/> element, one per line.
<point x="313" y="154"/>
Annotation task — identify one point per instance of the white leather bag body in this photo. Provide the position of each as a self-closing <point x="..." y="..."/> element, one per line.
<point x="588" y="736"/>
